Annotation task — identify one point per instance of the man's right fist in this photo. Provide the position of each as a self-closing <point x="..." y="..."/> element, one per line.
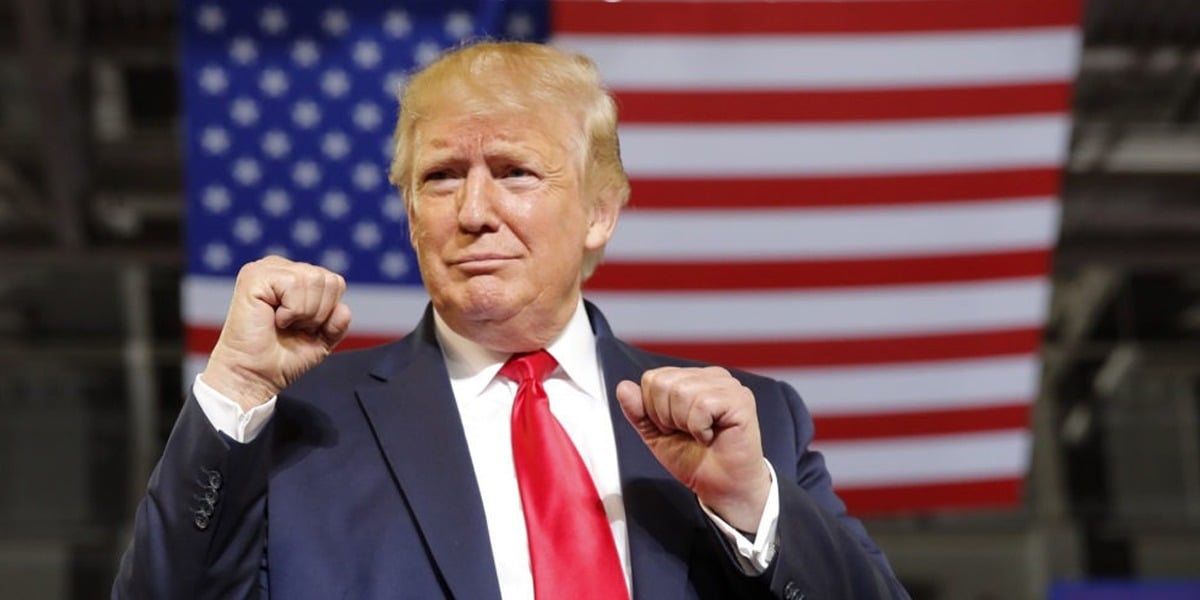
<point x="285" y="318"/>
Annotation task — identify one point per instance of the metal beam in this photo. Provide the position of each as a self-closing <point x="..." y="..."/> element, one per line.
<point x="55" y="73"/>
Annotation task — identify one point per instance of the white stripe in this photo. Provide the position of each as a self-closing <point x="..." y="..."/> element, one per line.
<point x="193" y="365"/>
<point x="376" y="309"/>
<point x="927" y="459"/>
<point x="826" y="314"/>
<point x="933" y="385"/>
<point x="801" y="233"/>
<point x="833" y="391"/>
<point x="776" y="149"/>
<point x="903" y="60"/>
<point x="726" y="315"/>
<point x="819" y="314"/>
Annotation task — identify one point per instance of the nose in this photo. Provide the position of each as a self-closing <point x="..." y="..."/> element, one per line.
<point x="477" y="206"/>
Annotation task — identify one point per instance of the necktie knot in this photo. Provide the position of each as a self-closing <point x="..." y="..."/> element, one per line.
<point x="529" y="366"/>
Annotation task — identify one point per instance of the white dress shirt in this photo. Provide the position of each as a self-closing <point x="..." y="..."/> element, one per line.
<point x="577" y="399"/>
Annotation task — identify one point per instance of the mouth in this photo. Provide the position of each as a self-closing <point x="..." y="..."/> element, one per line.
<point x="481" y="263"/>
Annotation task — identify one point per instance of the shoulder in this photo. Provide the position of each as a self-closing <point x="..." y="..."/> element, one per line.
<point x="760" y="384"/>
<point x="345" y="367"/>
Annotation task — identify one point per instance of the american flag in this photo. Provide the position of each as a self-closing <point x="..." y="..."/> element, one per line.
<point x="858" y="198"/>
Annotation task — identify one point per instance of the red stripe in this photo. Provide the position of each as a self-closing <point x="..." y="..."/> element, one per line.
<point x="842" y="105"/>
<point x="880" y="16"/>
<point x="201" y="339"/>
<point x="859" y="190"/>
<point x="898" y="424"/>
<point x="864" y="351"/>
<point x="802" y="274"/>
<point x="766" y="354"/>
<point x="977" y="494"/>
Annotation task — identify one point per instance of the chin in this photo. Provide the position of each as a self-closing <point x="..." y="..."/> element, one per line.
<point x="482" y="304"/>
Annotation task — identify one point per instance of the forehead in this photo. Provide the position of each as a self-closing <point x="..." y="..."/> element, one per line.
<point x="450" y="130"/>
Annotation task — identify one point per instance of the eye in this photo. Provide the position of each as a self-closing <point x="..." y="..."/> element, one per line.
<point x="518" y="172"/>
<point x="436" y="176"/>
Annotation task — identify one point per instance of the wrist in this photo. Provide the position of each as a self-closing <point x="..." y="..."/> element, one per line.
<point x="247" y="390"/>
<point x="743" y="509"/>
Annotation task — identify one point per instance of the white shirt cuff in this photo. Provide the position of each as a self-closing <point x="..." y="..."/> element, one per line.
<point x="227" y="416"/>
<point x="754" y="557"/>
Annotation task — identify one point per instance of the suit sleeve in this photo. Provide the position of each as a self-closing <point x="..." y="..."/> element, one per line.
<point x="822" y="552"/>
<point x="200" y="530"/>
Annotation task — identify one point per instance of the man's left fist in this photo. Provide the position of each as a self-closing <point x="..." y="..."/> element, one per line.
<point x="702" y="425"/>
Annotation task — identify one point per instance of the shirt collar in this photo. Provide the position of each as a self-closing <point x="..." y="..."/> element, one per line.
<point x="473" y="367"/>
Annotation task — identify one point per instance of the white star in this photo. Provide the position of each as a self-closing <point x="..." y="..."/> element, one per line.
<point x="246" y="171"/>
<point x="396" y="23"/>
<point x="305" y="52"/>
<point x="335" y="22"/>
<point x="276" y="143"/>
<point x="335" y="204"/>
<point x="393" y="83"/>
<point x="273" y="82"/>
<point x="273" y="20"/>
<point x="213" y="80"/>
<point x="306" y="173"/>
<point x="217" y="256"/>
<point x="210" y="18"/>
<point x="215" y="140"/>
<point x="306" y="232"/>
<point x="388" y="148"/>
<point x="426" y="51"/>
<point x="276" y="202"/>
<point x="335" y="83"/>
<point x="242" y="50"/>
<point x="367" y="116"/>
<point x="244" y="111"/>
<point x="306" y="114"/>
<point x="394" y="264"/>
<point x="459" y="25"/>
<point x="366" y="176"/>
<point x="247" y="229"/>
<point x="216" y="199"/>
<point x="367" y="235"/>
<point x="393" y="208"/>
<point x="335" y="145"/>
<point x="336" y="260"/>
<point x="520" y="26"/>
<point x="367" y="54"/>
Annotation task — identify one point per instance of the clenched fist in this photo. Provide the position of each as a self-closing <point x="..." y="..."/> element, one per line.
<point x="702" y="425"/>
<point x="284" y="318"/>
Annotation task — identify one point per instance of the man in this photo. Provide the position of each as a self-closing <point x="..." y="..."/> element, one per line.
<point x="510" y="447"/>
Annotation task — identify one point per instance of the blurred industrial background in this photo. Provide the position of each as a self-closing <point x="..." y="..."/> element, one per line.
<point x="91" y="351"/>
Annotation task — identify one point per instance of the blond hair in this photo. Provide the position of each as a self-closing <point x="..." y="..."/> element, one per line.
<point x="489" y="77"/>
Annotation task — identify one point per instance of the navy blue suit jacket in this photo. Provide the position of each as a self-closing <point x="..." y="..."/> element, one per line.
<point x="362" y="487"/>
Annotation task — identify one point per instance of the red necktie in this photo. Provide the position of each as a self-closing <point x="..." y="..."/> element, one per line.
<point x="571" y="548"/>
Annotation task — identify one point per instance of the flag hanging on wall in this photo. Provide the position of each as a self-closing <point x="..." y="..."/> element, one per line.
<point x="859" y="198"/>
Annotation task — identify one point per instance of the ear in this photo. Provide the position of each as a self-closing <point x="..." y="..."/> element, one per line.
<point x="603" y="222"/>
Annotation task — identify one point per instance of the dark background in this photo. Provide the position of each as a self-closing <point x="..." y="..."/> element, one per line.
<point x="90" y="338"/>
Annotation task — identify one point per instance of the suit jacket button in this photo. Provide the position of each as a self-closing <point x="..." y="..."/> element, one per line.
<point x="213" y="477"/>
<point x="791" y="591"/>
<point x="201" y="521"/>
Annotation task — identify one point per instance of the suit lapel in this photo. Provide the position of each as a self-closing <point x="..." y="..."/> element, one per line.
<point x="411" y="409"/>
<point x="662" y="516"/>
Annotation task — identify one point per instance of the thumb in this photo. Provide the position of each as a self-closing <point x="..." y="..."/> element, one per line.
<point x="629" y="396"/>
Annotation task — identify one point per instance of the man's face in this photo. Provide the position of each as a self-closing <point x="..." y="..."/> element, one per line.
<point x="500" y="225"/>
